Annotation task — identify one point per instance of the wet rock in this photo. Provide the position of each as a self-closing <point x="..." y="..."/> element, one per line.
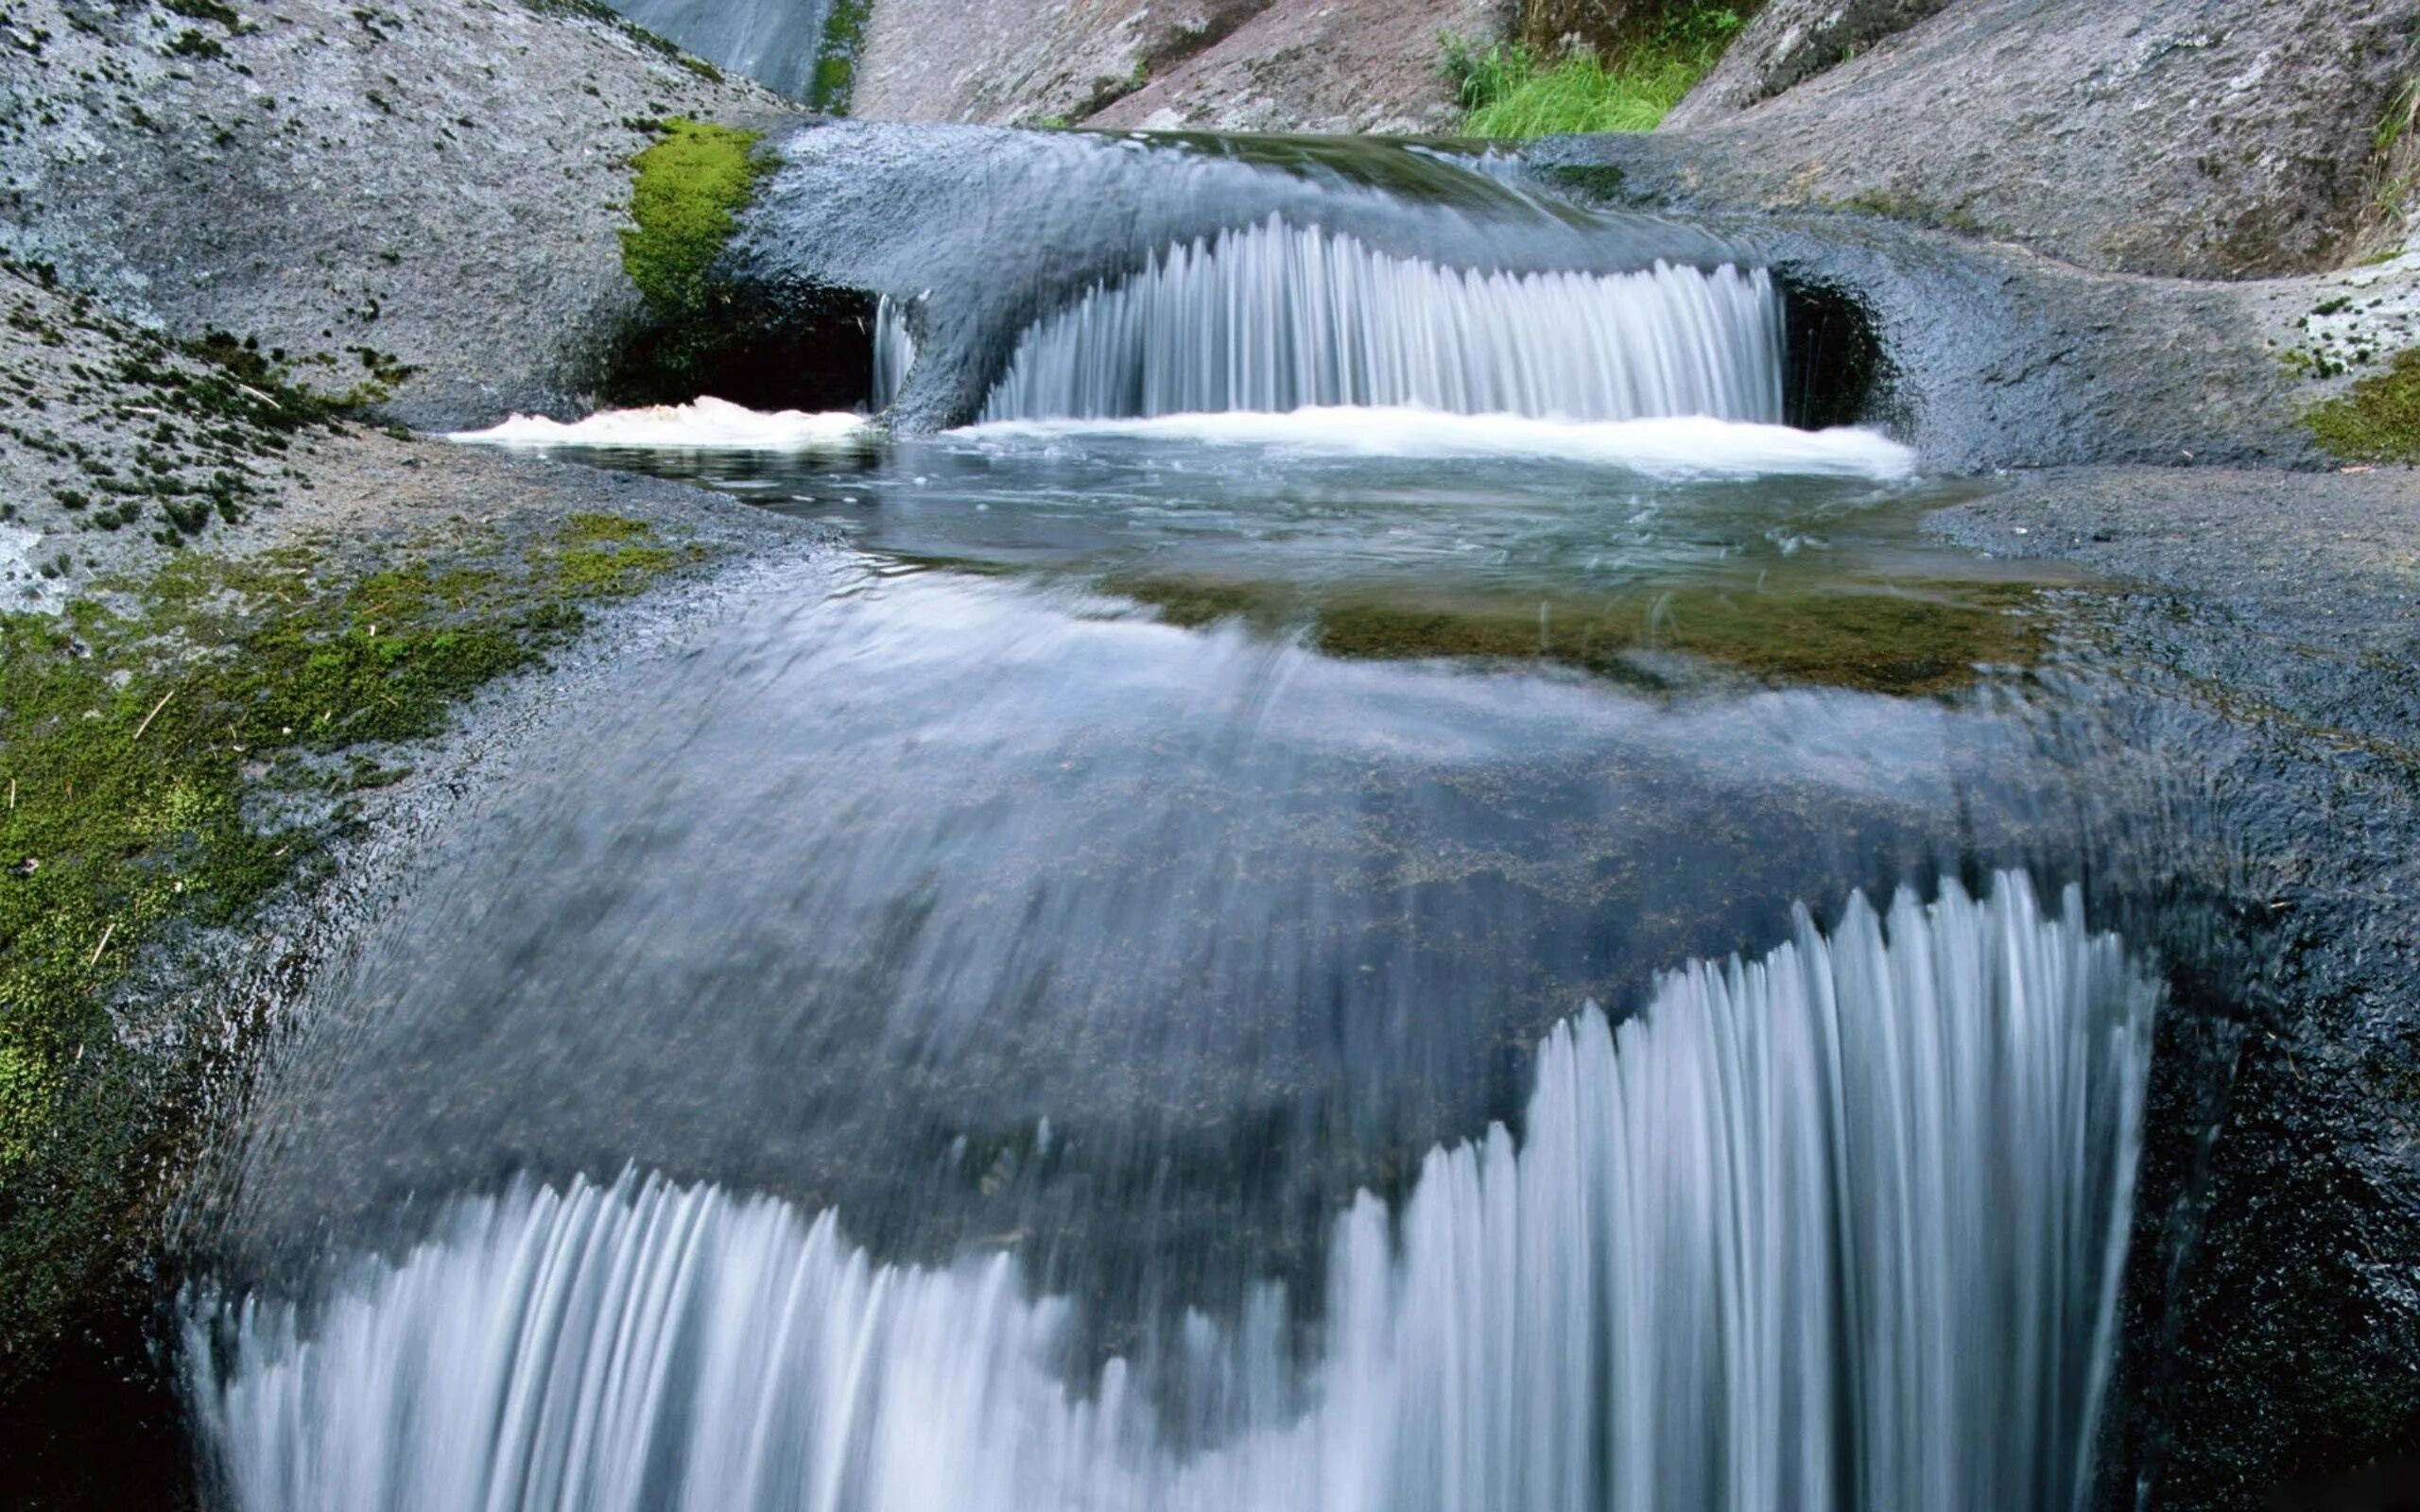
<point x="1789" y="42"/>
<point x="1291" y="65"/>
<point x="2271" y="1317"/>
<point x="1306" y="66"/>
<point x="436" y="188"/>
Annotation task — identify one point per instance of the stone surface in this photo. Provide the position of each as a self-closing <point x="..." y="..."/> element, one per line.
<point x="2192" y="138"/>
<point x="1025" y="62"/>
<point x="1255" y="65"/>
<point x="1552" y="26"/>
<point x="1789" y="42"/>
<point x="440" y="185"/>
<point x="1318" y="65"/>
<point x="2273" y="1319"/>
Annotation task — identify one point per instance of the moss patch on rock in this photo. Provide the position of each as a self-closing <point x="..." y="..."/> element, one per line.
<point x="170" y="756"/>
<point x="2377" y="419"/>
<point x="836" y="56"/>
<point x="690" y="184"/>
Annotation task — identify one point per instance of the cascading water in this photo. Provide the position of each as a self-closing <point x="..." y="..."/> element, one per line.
<point x="1837" y="1229"/>
<point x="895" y="353"/>
<point x="1280" y="317"/>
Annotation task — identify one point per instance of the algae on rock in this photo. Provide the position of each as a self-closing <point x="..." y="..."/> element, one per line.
<point x="2377" y="419"/>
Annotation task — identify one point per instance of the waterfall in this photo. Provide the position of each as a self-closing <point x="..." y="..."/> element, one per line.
<point x="1839" y="1228"/>
<point x="776" y="42"/>
<point x="1276" y="318"/>
<point x="895" y="353"/>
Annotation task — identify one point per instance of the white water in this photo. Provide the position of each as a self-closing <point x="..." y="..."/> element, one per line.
<point x="1275" y="317"/>
<point x="895" y="353"/>
<point x="705" y="424"/>
<point x="1681" y="447"/>
<point x="1838" y="1229"/>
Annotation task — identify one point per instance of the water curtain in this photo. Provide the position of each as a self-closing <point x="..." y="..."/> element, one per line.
<point x="1276" y="318"/>
<point x="1841" y="1228"/>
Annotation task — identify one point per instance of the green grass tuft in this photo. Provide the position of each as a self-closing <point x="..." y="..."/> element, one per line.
<point x="2377" y="419"/>
<point x="1509" y="91"/>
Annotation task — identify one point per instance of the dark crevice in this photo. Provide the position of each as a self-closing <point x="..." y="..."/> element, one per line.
<point x="805" y="348"/>
<point x="1832" y="367"/>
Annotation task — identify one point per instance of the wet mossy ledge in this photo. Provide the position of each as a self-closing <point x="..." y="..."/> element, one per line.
<point x="1906" y="639"/>
<point x="702" y="329"/>
<point x="178" y="750"/>
<point x="2377" y="419"/>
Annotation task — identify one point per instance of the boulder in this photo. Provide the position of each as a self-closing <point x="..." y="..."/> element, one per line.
<point x="1789" y="42"/>
<point x="2192" y="138"/>
<point x="1245" y="65"/>
<point x="423" y="199"/>
<point x="1025" y="62"/>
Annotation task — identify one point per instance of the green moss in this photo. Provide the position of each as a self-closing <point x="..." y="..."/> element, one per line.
<point x="697" y="326"/>
<point x="1910" y="209"/>
<point x="690" y="184"/>
<point x="139" y="737"/>
<point x="1511" y="91"/>
<point x="1904" y="640"/>
<point x="836" y="56"/>
<point x="2377" y="419"/>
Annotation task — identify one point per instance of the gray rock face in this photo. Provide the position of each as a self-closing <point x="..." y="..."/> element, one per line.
<point x="1258" y="65"/>
<point x="1789" y="42"/>
<point x="1315" y="65"/>
<point x="439" y="186"/>
<point x="775" y="42"/>
<point x="1024" y="60"/>
<point x="2193" y="138"/>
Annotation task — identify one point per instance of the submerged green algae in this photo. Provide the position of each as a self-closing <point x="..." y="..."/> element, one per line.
<point x="1902" y="638"/>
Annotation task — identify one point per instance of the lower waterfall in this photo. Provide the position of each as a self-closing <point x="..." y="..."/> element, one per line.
<point x="1839" y="1227"/>
<point x="1275" y="317"/>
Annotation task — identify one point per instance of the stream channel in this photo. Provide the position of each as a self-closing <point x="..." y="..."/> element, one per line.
<point x="1373" y="888"/>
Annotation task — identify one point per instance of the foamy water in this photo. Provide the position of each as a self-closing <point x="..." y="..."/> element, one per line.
<point x="1679" y="447"/>
<point x="705" y="424"/>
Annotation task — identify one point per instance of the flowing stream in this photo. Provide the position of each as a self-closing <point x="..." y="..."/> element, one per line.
<point x="1837" y="1228"/>
<point x="1378" y="891"/>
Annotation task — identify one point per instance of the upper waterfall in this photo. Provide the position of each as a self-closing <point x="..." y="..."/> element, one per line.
<point x="1839" y="1228"/>
<point x="1277" y="318"/>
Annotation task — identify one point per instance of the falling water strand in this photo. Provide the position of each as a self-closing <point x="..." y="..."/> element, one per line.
<point x="1838" y="1229"/>
<point x="895" y="353"/>
<point x="1275" y="318"/>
